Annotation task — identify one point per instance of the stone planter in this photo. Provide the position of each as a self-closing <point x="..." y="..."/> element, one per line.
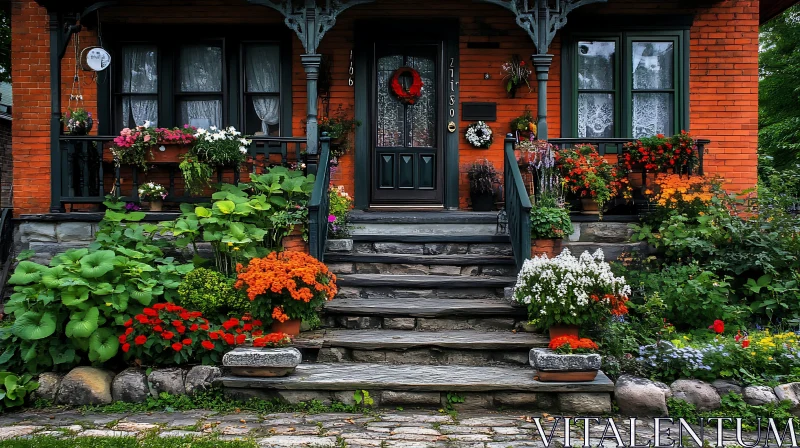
<point x="262" y="362"/>
<point x="552" y="367"/>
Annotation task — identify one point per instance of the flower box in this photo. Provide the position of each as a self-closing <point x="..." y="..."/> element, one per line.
<point x="551" y="366"/>
<point x="262" y="362"/>
<point x="163" y="153"/>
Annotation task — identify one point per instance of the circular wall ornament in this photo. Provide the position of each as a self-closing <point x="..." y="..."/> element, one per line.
<point x="479" y="135"/>
<point x="95" y="59"/>
<point x="408" y="95"/>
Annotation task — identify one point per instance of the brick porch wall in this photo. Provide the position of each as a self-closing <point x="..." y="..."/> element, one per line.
<point x="723" y="82"/>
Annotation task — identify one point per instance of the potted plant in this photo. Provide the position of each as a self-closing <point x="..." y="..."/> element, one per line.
<point x="658" y="154"/>
<point x="340" y="205"/>
<point x="286" y="288"/>
<point x="339" y="127"/>
<point x="524" y="126"/>
<point x="143" y="145"/>
<point x="516" y="74"/>
<point x="550" y="224"/>
<point x="565" y="293"/>
<point x="568" y="359"/>
<point x="154" y="194"/>
<point x="587" y="174"/>
<point x="482" y="177"/>
<point x="214" y="148"/>
<point x="78" y="121"/>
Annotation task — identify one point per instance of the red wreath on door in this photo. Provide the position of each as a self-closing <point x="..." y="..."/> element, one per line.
<point x="410" y="95"/>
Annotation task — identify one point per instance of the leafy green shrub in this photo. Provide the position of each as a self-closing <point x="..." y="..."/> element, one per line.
<point x="247" y="220"/>
<point x="74" y="306"/>
<point x="14" y="389"/>
<point x="212" y="294"/>
<point x="550" y="222"/>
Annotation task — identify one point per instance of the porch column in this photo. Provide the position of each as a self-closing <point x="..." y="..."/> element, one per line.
<point x="541" y="64"/>
<point x="55" y="113"/>
<point x="311" y="63"/>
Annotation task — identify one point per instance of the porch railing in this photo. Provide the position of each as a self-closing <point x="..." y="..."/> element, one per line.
<point x="518" y="205"/>
<point x="88" y="173"/>
<point x="319" y="206"/>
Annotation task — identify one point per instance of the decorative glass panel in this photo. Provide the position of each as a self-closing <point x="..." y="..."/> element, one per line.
<point x="596" y="65"/>
<point x="653" y="65"/>
<point x="595" y="115"/>
<point x="652" y="114"/>
<point x="390" y="109"/>
<point x="422" y="115"/>
<point x="386" y="170"/>
<point x="406" y="177"/>
<point x="201" y="68"/>
<point x="427" y="170"/>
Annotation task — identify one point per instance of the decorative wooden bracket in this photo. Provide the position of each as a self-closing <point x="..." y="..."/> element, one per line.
<point x="310" y="21"/>
<point x="541" y="19"/>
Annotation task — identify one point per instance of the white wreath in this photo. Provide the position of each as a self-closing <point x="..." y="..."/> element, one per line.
<point x="479" y="135"/>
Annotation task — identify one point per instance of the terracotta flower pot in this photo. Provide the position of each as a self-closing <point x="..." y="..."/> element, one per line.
<point x="294" y="242"/>
<point x="170" y="154"/>
<point x="590" y="207"/>
<point x="156" y="205"/>
<point x="290" y="327"/>
<point x="557" y="331"/>
<point x="548" y="246"/>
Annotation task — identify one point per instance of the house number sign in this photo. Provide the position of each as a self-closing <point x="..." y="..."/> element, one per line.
<point x="350" y="81"/>
<point x="95" y="59"/>
<point x="451" y="103"/>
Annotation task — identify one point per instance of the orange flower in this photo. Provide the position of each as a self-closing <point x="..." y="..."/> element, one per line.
<point x="279" y="315"/>
<point x="296" y="274"/>
<point x="574" y="343"/>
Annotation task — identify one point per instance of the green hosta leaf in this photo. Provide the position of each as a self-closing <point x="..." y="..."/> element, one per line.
<point x="279" y="201"/>
<point x="33" y="326"/>
<point x="27" y="272"/>
<point x="202" y="212"/>
<point x="209" y="236"/>
<point x="97" y="264"/>
<point x="70" y="257"/>
<point x="62" y="356"/>
<point x="225" y="207"/>
<point x="10" y="382"/>
<point x="82" y="325"/>
<point x="25" y="254"/>
<point x="102" y="289"/>
<point x="184" y="269"/>
<point x="243" y="209"/>
<point x="53" y="278"/>
<point x="103" y="345"/>
<point x="143" y="297"/>
<point x="75" y="296"/>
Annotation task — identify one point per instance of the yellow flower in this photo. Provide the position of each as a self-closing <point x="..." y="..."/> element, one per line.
<point x="230" y="244"/>
<point x="753" y="353"/>
<point x="770" y="358"/>
<point x="235" y="248"/>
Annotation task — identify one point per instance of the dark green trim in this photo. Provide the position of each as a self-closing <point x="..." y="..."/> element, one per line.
<point x="678" y="34"/>
<point x="451" y="155"/>
<point x="361" y="79"/>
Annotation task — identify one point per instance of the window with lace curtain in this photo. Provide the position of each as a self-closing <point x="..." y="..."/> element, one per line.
<point x="628" y="84"/>
<point x="229" y="81"/>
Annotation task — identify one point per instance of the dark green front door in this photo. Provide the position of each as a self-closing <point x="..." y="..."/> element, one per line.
<point x="407" y="140"/>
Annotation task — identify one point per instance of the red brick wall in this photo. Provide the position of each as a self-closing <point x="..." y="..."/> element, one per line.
<point x="724" y="83"/>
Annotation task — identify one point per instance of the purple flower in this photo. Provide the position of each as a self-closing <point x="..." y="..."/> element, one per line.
<point x="331" y="218"/>
<point x="131" y="207"/>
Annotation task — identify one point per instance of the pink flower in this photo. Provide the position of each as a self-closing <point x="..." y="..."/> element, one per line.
<point x="147" y="138"/>
<point x="331" y="218"/>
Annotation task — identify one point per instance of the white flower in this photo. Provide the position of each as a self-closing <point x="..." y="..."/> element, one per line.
<point x="147" y="123"/>
<point x="243" y="150"/>
<point x="213" y="128"/>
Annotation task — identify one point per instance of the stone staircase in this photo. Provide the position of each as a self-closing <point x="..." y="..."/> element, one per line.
<point x="423" y="312"/>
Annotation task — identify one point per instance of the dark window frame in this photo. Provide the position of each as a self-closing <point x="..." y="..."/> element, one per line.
<point x="664" y="28"/>
<point x="233" y="42"/>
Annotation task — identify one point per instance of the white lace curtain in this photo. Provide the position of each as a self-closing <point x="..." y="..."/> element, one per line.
<point x="140" y="75"/>
<point x="652" y="70"/>
<point x="263" y="76"/>
<point x="201" y="72"/>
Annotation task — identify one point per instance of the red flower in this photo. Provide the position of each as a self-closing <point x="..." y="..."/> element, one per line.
<point x="241" y="339"/>
<point x="128" y="323"/>
<point x="177" y="347"/>
<point x="193" y="327"/>
<point x="204" y="327"/>
<point x="208" y="345"/>
<point x="150" y="312"/>
<point x="187" y="341"/>
<point x="142" y="318"/>
<point x="718" y="326"/>
<point x="126" y="347"/>
<point x="257" y="323"/>
<point x="128" y="331"/>
<point x="746" y="343"/>
<point x="214" y="335"/>
<point x="159" y="306"/>
<point x="167" y="335"/>
<point x="230" y="323"/>
<point x="177" y="323"/>
<point x="185" y="315"/>
<point x="158" y="329"/>
<point x="122" y="338"/>
<point x="140" y="340"/>
<point x="181" y="329"/>
<point x="248" y="327"/>
<point x="229" y="339"/>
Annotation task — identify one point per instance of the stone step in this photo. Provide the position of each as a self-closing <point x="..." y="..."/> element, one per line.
<point x="423" y="281"/>
<point x="453" y="265"/>
<point x="450" y="246"/>
<point x="402" y="340"/>
<point x="440" y="222"/>
<point x="428" y="386"/>
<point x="428" y="259"/>
<point x="424" y="307"/>
<point x="466" y="347"/>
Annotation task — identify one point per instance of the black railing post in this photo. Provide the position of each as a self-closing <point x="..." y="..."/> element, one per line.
<point x="319" y="205"/>
<point x="55" y="114"/>
<point x="518" y="205"/>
